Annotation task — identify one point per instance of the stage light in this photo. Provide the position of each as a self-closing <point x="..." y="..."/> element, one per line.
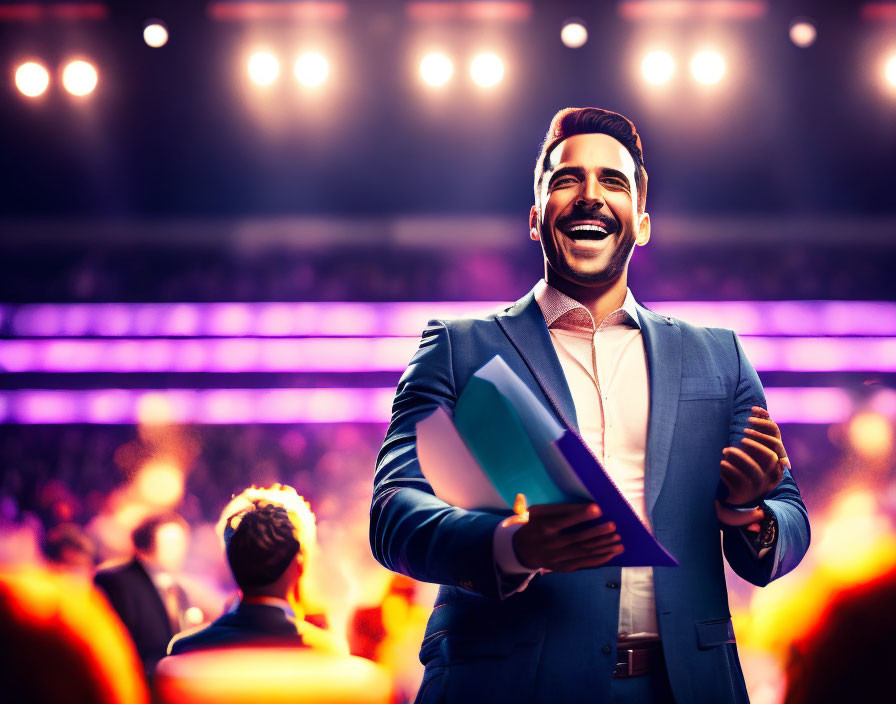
<point x="263" y="68"/>
<point x="707" y="67"/>
<point x="155" y="34"/>
<point x="871" y="435"/>
<point x="32" y="79"/>
<point x="161" y="483"/>
<point x="890" y="71"/>
<point x="79" y="77"/>
<point x="574" y="34"/>
<point x="311" y="69"/>
<point x="658" y="67"/>
<point x="487" y="70"/>
<point x="436" y="69"/>
<point x="803" y="33"/>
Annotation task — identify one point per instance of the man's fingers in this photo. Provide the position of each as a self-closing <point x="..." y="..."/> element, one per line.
<point x="733" y="517"/>
<point x="760" y="411"/>
<point x="539" y="511"/>
<point x="579" y="513"/>
<point x="590" y="533"/>
<point x="764" y="456"/>
<point x="743" y="462"/>
<point x="765" y="425"/>
<point x="771" y="442"/>
<point x="595" y="560"/>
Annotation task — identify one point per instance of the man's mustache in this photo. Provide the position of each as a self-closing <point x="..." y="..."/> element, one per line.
<point x="608" y="222"/>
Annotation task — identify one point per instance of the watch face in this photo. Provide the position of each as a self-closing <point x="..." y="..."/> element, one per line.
<point x="768" y="528"/>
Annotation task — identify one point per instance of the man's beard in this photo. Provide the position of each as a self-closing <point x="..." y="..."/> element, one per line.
<point x="614" y="269"/>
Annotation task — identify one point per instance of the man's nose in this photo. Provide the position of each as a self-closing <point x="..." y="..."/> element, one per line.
<point x="591" y="194"/>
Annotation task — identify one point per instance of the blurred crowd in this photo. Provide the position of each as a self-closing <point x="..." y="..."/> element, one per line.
<point x="663" y="272"/>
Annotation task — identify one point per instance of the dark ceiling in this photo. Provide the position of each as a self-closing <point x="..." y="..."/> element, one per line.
<point x="177" y="131"/>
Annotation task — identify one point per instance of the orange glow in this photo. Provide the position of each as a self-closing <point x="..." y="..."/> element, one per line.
<point x="870" y="435"/>
<point x="44" y="612"/>
<point x="271" y="675"/>
<point x="160" y="483"/>
<point x="692" y="9"/>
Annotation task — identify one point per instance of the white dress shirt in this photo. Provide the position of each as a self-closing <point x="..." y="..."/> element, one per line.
<point x="606" y="369"/>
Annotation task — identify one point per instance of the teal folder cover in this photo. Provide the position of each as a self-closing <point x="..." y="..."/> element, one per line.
<point x="523" y="449"/>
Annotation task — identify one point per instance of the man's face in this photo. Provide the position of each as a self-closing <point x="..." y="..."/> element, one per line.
<point x="587" y="218"/>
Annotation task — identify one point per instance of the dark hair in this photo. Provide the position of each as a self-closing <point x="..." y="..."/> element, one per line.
<point x="262" y="545"/>
<point x="67" y="536"/>
<point x="573" y="121"/>
<point x="144" y="535"/>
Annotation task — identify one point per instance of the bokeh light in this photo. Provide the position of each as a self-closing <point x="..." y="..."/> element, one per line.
<point x="658" y="67"/>
<point x="264" y="68"/>
<point x="32" y="79"/>
<point x="155" y="34"/>
<point x="312" y="69"/>
<point x="890" y="71"/>
<point x="79" y="77"/>
<point x="436" y="69"/>
<point x="708" y="67"/>
<point x="803" y="33"/>
<point x="172" y="543"/>
<point x="574" y="34"/>
<point x="870" y="435"/>
<point x="194" y="616"/>
<point x="160" y="483"/>
<point x="487" y="70"/>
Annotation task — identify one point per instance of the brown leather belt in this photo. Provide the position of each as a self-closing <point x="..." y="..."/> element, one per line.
<point x="638" y="657"/>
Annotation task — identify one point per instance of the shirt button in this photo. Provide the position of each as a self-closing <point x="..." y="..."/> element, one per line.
<point x="606" y="650"/>
<point x="612" y="585"/>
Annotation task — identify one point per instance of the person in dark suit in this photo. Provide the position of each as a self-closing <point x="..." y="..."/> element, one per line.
<point x="267" y="534"/>
<point x="528" y="609"/>
<point x="144" y="591"/>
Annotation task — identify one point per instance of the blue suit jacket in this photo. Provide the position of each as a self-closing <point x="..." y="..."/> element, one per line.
<point x="556" y="640"/>
<point x="248" y="625"/>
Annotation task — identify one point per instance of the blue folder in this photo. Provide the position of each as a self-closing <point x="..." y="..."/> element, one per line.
<point x="523" y="449"/>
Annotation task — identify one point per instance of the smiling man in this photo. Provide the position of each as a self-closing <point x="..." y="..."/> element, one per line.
<point x="529" y="610"/>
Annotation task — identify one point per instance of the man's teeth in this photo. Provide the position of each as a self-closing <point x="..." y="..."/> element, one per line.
<point x="587" y="228"/>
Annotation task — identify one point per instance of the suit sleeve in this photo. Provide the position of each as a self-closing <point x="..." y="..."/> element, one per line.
<point x="784" y="500"/>
<point x="411" y="530"/>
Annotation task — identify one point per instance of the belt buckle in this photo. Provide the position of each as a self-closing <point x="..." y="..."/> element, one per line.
<point x="625" y="669"/>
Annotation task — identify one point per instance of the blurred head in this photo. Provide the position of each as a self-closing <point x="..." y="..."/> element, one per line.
<point x="590" y="196"/>
<point x="56" y="623"/>
<point x="268" y="534"/>
<point x="69" y="547"/>
<point x="162" y="540"/>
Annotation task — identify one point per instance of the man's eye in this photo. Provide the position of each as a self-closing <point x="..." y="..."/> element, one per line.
<point x="618" y="182"/>
<point x="564" y="181"/>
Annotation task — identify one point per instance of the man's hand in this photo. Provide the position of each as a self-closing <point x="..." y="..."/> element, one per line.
<point x="553" y="538"/>
<point x="752" y="470"/>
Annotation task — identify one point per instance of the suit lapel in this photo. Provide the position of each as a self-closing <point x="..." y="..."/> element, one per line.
<point x="524" y="324"/>
<point x="662" y="344"/>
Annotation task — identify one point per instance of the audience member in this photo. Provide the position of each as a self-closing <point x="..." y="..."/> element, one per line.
<point x="63" y="644"/>
<point x="268" y="535"/>
<point x="849" y="655"/>
<point x="68" y="548"/>
<point x="144" y="591"/>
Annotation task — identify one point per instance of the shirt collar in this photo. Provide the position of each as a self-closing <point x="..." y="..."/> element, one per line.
<point x="560" y="310"/>
<point x="270" y="601"/>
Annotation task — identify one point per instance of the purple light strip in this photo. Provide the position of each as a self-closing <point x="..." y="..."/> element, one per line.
<point x="240" y="406"/>
<point x="810" y="318"/>
<point x="199" y="406"/>
<point x="373" y="354"/>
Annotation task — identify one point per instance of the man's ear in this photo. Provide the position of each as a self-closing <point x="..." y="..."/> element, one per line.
<point x="533" y="224"/>
<point x="643" y="230"/>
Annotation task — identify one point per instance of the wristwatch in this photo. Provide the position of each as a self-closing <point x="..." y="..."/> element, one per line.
<point x="767" y="534"/>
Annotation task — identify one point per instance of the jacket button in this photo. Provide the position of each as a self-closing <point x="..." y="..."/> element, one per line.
<point x="606" y="650"/>
<point x="613" y="585"/>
